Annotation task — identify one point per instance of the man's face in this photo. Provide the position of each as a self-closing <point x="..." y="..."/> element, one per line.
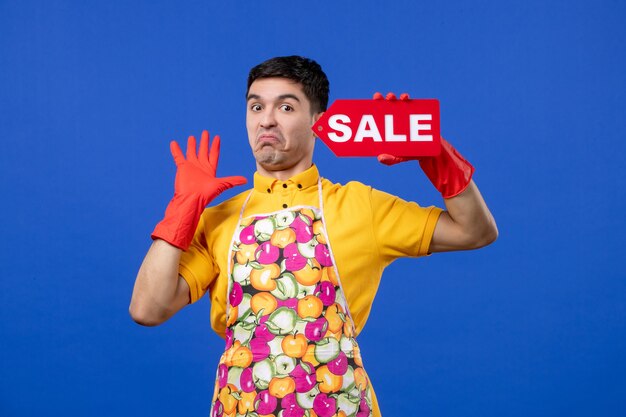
<point x="279" y="120"/>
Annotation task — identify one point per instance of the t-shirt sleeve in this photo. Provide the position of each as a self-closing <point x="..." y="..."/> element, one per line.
<point x="402" y="228"/>
<point x="197" y="265"/>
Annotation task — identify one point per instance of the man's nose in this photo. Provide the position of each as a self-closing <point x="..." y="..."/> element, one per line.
<point x="268" y="119"/>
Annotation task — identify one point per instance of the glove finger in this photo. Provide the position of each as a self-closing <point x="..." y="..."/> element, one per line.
<point x="387" y="159"/>
<point x="390" y="97"/>
<point x="177" y="153"/>
<point x="377" y="96"/>
<point x="234" y="181"/>
<point x="214" y="155"/>
<point x="204" y="146"/>
<point x="191" y="149"/>
<point x="404" y="97"/>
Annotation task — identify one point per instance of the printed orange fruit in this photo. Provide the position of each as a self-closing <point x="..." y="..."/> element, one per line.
<point x="310" y="306"/>
<point x="318" y="231"/>
<point x="263" y="301"/>
<point x="246" y="403"/>
<point x="233" y="314"/>
<point x="310" y="274"/>
<point x="246" y="253"/>
<point x="360" y="378"/>
<point x="279" y="387"/>
<point x="263" y="279"/>
<point x="328" y="274"/>
<point x="242" y="357"/>
<point x="335" y="316"/>
<point x="294" y="345"/>
<point x="282" y="238"/>
<point x="309" y="355"/>
<point x="229" y="402"/>
<point x="328" y="382"/>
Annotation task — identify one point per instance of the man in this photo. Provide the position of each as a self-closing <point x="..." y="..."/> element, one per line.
<point x="292" y="266"/>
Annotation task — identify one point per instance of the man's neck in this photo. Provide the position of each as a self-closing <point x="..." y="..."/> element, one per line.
<point x="284" y="174"/>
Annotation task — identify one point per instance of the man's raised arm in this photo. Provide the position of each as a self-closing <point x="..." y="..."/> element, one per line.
<point x="467" y="222"/>
<point x="159" y="291"/>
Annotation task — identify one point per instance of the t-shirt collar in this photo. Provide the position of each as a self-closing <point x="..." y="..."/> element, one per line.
<point x="302" y="180"/>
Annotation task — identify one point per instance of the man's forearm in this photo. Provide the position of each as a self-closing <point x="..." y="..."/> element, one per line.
<point x="467" y="223"/>
<point x="158" y="292"/>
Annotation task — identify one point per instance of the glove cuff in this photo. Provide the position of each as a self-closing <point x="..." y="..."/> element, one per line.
<point x="180" y="221"/>
<point x="449" y="172"/>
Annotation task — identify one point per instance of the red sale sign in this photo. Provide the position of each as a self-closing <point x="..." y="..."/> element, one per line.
<point x="374" y="127"/>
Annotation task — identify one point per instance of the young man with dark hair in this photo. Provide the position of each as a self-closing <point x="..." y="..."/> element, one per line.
<point x="292" y="265"/>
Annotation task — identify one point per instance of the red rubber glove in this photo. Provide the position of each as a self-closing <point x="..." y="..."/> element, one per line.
<point x="449" y="172"/>
<point x="196" y="186"/>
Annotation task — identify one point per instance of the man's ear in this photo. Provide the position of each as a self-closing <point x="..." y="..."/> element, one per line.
<point x="317" y="116"/>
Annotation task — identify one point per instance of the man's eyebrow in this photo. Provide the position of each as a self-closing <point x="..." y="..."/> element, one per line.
<point x="281" y="97"/>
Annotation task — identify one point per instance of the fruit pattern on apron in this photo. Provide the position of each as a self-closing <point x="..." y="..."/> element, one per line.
<point x="290" y="346"/>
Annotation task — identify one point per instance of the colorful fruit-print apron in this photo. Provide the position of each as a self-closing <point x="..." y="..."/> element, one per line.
<point x="290" y="346"/>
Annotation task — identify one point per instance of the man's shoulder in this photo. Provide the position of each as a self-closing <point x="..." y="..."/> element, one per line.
<point x="227" y="207"/>
<point x="350" y="186"/>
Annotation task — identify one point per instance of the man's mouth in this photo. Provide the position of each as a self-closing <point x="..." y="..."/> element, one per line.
<point x="267" y="139"/>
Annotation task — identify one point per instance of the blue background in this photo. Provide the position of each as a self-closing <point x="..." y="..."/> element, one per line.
<point x="532" y="93"/>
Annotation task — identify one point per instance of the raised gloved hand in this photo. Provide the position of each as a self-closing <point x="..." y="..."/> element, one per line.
<point x="196" y="186"/>
<point x="449" y="172"/>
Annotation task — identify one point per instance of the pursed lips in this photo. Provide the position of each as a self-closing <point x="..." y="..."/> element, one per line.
<point x="268" y="139"/>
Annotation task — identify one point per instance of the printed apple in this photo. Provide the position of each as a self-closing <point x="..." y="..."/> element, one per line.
<point x="310" y="274"/>
<point x="326" y="350"/>
<point x="304" y="376"/>
<point x="294" y="345"/>
<point x="322" y="254"/>
<point x="325" y="291"/>
<point x="346" y="344"/>
<point x="262" y="332"/>
<point x="305" y="399"/>
<point x="222" y="375"/>
<point x="264" y="228"/>
<point x="244" y="306"/>
<point x="315" y="330"/>
<point x="245" y="253"/>
<point x="284" y="364"/>
<point x="282" y="321"/>
<point x="294" y="261"/>
<point x="348" y="380"/>
<point x="236" y="294"/>
<point x="265" y="403"/>
<point x="324" y="405"/>
<point x="284" y="219"/>
<point x="280" y="386"/>
<point x="290" y="406"/>
<point x="347" y="403"/>
<point x="260" y="349"/>
<point x="282" y="238"/>
<point x="276" y="343"/>
<point x="364" y="409"/>
<point x="243" y="331"/>
<point x="267" y="253"/>
<point x="290" y="303"/>
<point x="262" y="277"/>
<point x="241" y="273"/>
<point x="307" y="249"/>
<point x="286" y="286"/>
<point x="263" y="372"/>
<point x="304" y="231"/>
<point x="339" y="365"/>
<point x="247" y="236"/>
<point x="246" y="380"/>
<point x="217" y="410"/>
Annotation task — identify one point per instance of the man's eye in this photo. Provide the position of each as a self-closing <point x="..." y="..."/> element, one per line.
<point x="286" y="107"/>
<point x="255" y="107"/>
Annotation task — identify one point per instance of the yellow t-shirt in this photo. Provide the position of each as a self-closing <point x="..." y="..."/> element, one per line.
<point x="367" y="230"/>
